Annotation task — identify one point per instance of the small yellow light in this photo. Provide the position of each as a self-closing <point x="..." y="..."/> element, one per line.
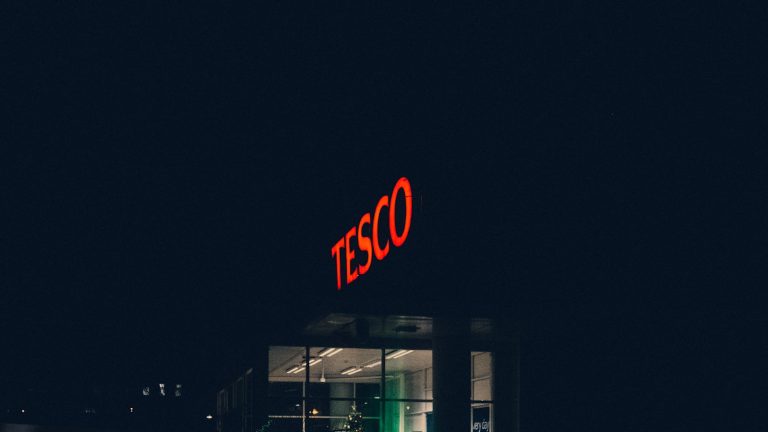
<point x="315" y="411"/>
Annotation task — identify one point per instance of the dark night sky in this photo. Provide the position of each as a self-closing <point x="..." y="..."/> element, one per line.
<point x="177" y="174"/>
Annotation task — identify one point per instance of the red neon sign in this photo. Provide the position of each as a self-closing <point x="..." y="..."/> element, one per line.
<point x="373" y="246"/>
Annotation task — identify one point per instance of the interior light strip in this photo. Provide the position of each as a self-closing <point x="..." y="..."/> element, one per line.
<point x="397" y="354"/>
<point x="329" y="352"/>
<point x="404" y="353"/>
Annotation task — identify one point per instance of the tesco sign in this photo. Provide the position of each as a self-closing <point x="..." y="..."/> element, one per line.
<point x="373" y="246"/>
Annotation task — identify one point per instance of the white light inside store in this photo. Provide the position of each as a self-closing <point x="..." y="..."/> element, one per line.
<point x="374" y="364"/>
<point x="398" y="354"/>
<point x="329" y="352"/>
<point x="295" y="369"/>
<point x="404" y="353"/>
<point x="351" y="370"/>
<point x="303" y="364"/>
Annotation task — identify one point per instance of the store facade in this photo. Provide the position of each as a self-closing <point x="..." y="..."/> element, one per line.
<point x="418" y="383"/>
<point x="363" y="362"/>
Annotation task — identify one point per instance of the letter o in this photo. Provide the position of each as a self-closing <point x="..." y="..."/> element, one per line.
<point x="405" y="185"/>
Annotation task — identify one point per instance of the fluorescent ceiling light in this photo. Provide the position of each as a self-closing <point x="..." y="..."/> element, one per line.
<point x="329" y="352"/>
<point x="397" y="354"/>
<point x="312" y="362"/>
<point x="351" y="370"/>
<point x="376" y="363"/>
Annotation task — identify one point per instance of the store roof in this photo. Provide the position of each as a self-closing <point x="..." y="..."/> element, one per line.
<point x="404" y="327"/>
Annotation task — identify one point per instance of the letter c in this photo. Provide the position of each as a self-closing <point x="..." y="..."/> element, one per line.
<point x="364" y="243"/>
<point x="377" y="250"/>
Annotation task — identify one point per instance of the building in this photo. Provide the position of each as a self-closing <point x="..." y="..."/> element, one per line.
<point x="422" y="365"/>
<point x="403" y="373"/>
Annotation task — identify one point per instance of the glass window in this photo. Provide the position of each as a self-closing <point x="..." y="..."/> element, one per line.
<point x="481" y="418"/>
<point x="481" y="364"/>
<point x="286" y="364"/>
<point x="352" y="373"/>
<point x="340" y="378"/>
<point x="286" y="388"/>
<point x="316" y="389"/>
<point x="406" y="416"/>
<point x="408" y="374"/>
<point x="482" y="392"/>
<point x="331" y="415"/>
<point x="482" y="371"/>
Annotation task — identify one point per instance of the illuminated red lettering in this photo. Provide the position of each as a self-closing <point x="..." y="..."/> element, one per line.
<point x="403" y="184"/>
<point x="371" y="245"/>
<point x="335" y="252"/>
<point x="350" y="256"/>
<point x="377" y="250"/>
<point x="364" y="243"/>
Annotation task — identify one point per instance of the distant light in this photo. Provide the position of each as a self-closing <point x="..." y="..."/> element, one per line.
<point x="209" y="417"/>
<point x="23" y="411"/>
<point x="145" y="391"/>
<point x="314" y="411"/>
<point x="131" y="408"/>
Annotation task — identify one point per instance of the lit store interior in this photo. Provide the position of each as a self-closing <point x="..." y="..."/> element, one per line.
<point x="390" y="388"/>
